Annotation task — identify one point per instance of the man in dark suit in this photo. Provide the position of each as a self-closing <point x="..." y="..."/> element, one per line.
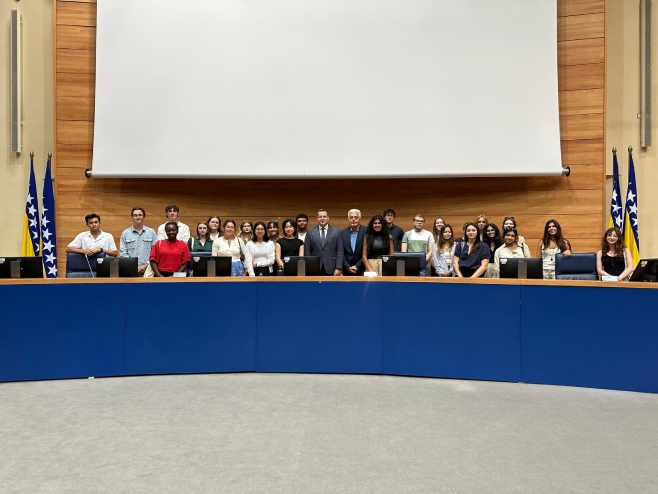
<point x="352" y="238"/>
<point x="325" y="241"/>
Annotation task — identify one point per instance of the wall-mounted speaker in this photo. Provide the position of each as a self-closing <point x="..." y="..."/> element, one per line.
<point x="645" y="73"/>
<point x="16" y="82"/>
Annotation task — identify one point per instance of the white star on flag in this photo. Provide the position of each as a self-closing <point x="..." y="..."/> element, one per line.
<point x="32" y="209"/>
<point x="631" y="196"/>
<point x="46" y="234"/>
<point x="50" y="258"/>
<point x="633" y="209"/>
<point x="617" y="222"/>
<point x="48" y="246"/>
<point x="52" y="271"/>
<point x="44" y="222"/>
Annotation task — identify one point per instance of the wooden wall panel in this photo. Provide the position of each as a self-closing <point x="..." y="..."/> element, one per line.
<point x="75" y="85"/>
<point x="76" y="37"/>
<point x="579" y="7"/>
<point x="75" y="61"/>
<point x="75" y="13"/>
<point x="583" y="152"/>
<point x="74" y="132"/>
<point x="576" y="201"/>
<point x="577" y="77"/>
<point x="581" y="27"/>
<point x="581" y="51"/>
<point x="581" y="126"/>
<point x="67" y="108"/>
<point x="585" y="102"/>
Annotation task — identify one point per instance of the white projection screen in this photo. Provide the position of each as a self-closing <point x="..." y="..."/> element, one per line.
<point x="326" y="88"/>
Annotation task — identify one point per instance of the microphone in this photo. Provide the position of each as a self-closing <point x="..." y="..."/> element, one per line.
<point x="90" y="270"/>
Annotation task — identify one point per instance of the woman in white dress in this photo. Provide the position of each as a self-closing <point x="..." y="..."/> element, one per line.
<point x="552" y="244"/>
<point x="444" y="252"/>
<point x="228" y="245"/>
<point x="262" y="251"/>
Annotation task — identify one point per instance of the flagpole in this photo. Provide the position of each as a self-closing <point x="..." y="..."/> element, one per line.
<point x="631" y="229"/>
<point x="614" y="151"/>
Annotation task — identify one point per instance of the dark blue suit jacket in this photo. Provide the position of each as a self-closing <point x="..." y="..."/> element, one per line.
<point x="353" y="258"/>
<point x="330" y="252"/>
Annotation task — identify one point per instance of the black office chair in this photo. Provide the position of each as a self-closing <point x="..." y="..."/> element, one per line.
<point x="581" y="266"/>
<point x="81" y="266"/>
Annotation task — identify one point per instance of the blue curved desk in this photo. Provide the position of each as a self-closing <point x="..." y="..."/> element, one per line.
<point x="587" y="334"/>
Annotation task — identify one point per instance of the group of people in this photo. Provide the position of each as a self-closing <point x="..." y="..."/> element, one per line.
<point x="259" y="249"/>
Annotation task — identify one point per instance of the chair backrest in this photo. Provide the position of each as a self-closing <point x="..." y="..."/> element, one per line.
<point x="580" y="266"/>
<point x="77" y="267"/>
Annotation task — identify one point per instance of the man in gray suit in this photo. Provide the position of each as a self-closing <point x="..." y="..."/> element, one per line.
<point x="352" y="238"/>
<point x="325" y="241"/>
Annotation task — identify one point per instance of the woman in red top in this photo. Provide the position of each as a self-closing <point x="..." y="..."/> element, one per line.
<point x="171" y="255"/>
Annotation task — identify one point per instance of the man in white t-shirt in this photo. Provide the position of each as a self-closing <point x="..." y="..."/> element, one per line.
<point x="419" y="240"/>
<point x="172" y="215"/>
<point x="94" y="241"/>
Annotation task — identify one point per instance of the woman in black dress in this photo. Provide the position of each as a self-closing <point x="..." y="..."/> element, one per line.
<point x="377" y="243"/>
<point x="289" y="244"/>
<point x="493" y="240"/>
<point x="614" y="258"/>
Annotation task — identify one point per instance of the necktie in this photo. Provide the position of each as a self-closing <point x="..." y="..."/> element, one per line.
<point x="323" y="234"/>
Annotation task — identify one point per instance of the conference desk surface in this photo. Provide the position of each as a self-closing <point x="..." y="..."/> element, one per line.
<point x="578" y="333"/>
<point x="337" y="279"/>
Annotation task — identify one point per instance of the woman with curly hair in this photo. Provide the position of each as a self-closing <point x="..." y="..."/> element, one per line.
<point x="550" y="245"/>
<point x="378" y="242"/>
<point x="614" y="258"/>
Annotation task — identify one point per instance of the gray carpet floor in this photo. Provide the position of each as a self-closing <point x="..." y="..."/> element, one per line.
<point x="296" y="433"/>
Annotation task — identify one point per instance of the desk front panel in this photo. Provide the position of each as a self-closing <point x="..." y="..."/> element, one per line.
<point x="593" y="337"/>
<point x="57" y="331"/>
<point x="466" y="331"/>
